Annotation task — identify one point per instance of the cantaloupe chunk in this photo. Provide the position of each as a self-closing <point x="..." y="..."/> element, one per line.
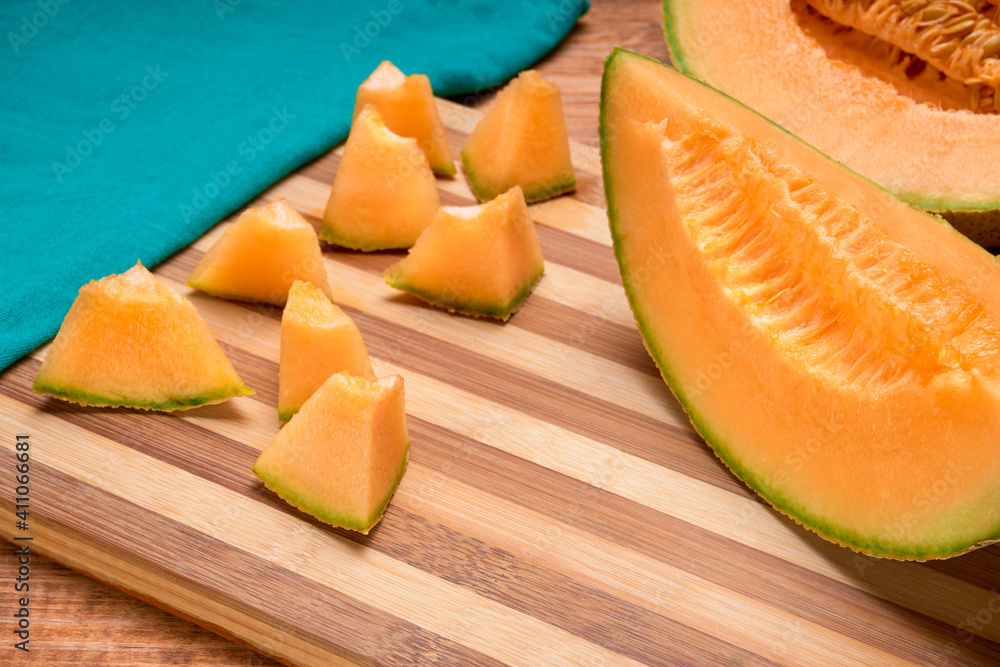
<point x="129" y="340"/>
<point x="521" y="140"/>
<point x="384" y="193"/>
<point x="317" y="340"/>
<point x="407" y="106"/>
<point x="260" y="255"/>
<point x="342" y="456"/>
<point x="475" y="260"/>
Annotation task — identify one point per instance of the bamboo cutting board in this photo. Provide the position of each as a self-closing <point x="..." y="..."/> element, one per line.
<point x="558" y="508"/>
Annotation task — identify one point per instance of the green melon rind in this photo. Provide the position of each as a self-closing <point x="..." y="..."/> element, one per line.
<point x="285" y="416"/>
<point x="978" y="221"/>
<point x="83" y="397"/>
<point x="362" y="525"/>
<point x="447" y="170"/>
<point x="328" y="235"/>
<point x="484" y="194"/>
<point x="501" y="311"/>
<point x="830" y="531"/>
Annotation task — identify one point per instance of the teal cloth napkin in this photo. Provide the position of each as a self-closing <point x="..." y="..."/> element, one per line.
<point x="128" y="129"/>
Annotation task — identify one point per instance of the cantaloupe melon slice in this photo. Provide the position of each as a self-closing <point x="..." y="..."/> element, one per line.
<point x="384" y="193"/>
<point x="521" y="140"/>
<point x="838" y="349"/>
<point x="129" y="340"/>
<point x="342" y="456"/>
<point x="260" y="255"/>
<point x="317" y="340"/>
<point x="475" y="260"/>
<point x="883" y="112"/>
<point x="407" y="106"/>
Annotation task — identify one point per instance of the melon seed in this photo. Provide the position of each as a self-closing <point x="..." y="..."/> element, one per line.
<point x="932" y="14"/>
<point x="911" y="7"/>
<point x="958" y="28"/>
<point x="944" y="49"/>
<point x="991" y="46"/>
<point x="964" y="5"/>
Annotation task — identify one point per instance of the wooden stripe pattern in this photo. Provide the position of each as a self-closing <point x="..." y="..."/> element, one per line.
<point x="558" y="509"/>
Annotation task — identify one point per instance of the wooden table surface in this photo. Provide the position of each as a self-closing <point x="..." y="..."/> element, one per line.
<point x="79" y="621"/>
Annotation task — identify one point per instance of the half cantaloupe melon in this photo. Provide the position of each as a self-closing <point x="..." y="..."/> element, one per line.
<point x="131" y="341"/>
<point x="343" y="455"/>
<point x="475" y="260"/>
<point x="260" y="255"/>
<point x="384" y="193"/>
<point x="901" y="92"/>
<point x="521" y="140"/>
<point x="406" y="104"/>
<point x="317" y="340"/>
<point x="838" y="349"/>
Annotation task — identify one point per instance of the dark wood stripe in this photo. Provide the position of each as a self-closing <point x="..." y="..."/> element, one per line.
<point x="728" y="564"/>
<point x="981" y="567"/>
<point x="323" y="617"/>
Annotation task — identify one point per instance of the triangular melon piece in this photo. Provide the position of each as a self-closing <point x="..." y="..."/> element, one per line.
<point x="384" y="193"/>
<point x="129" y="340"/>
<point x="406" y="104"/>
<point x="317" y="340"/>
<point x="476" y="260"/>
<point x="342" y="456"/>
<point x="521" y="140"/>
<point x="260" y="255"/>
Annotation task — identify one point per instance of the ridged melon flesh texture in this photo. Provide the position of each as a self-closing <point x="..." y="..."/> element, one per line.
<point x="407" y="106"/>
<point x="260" y="255"/>
<point x="838" y="349"/>
<point x="383" y="194"/>
<point x="476" y="260"/>
<point x="918" y="141"/>
<point x="343" y="455"/>
<point x="317" y="340"/>
<point x="521" y="140"/>
<point x="129" y="340"/>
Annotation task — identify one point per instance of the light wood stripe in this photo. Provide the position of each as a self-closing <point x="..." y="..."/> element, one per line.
<point x="558" y="508"/>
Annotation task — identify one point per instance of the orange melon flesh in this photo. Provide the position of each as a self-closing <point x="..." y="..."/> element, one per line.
<point x="838" y="349"/>
<point x="260" y="255"/>
<point x="521" y="140"/>
<point x="476" y="260"/>
<point x="343" y="455"/>
<point x="845" y="104"/>
<point x="407" y="106"/>
<point x="131" y="341"/>
<point x="384" y="193"/>
<point x="317" y="340"/>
